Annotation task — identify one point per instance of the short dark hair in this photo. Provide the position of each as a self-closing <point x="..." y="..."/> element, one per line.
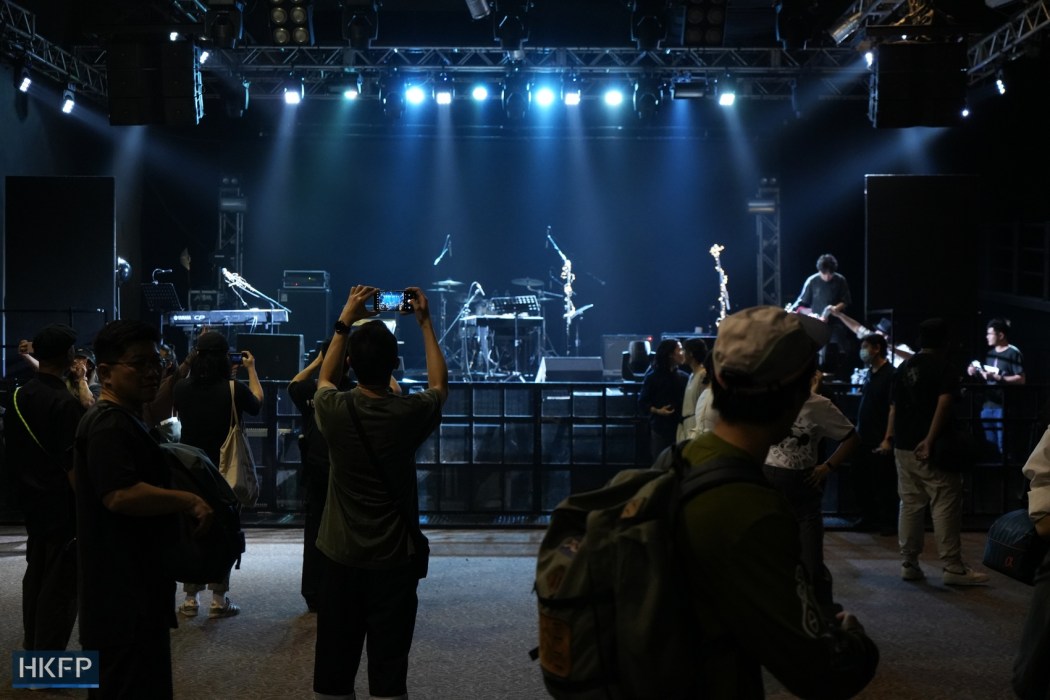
<point x="117" y="336"/>
<point x="756" y="409"/>
<point x="876" y="341"/>
<point x="999" y="325"/>
<point x="210" y="366"/>
<point x="827" y="263"/>
<point x="695" y="348"/>
<point x="373" y="353"/>
<point x="933" y="334"/>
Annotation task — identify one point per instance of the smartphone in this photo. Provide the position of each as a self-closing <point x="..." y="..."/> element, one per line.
<point x="236" y="358"/>
<point x="393" y="300"/>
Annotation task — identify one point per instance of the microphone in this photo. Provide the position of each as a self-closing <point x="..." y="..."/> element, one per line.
<point x="448" y="244"/>
<point x="158" y="271"/>
<point x="480" y="289"/>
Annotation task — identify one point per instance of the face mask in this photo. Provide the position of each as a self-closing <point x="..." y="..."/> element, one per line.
<point x="865" y="356"/>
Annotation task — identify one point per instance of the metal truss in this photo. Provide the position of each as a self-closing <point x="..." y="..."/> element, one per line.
<point x="1006" y="42"/>
<point x="766" y="208"/>
<point x="767" y="73"/>
<point x="19" y="40"/>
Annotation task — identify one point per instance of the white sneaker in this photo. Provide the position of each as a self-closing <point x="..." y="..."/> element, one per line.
<point x="911" y="571"/>
<point x="967" y="577"/>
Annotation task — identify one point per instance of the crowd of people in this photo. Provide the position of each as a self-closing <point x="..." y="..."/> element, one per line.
<point x="98" y="499"/>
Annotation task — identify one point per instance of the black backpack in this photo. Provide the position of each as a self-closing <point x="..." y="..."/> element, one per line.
<point x="207" y="558"/>
<point x="615" y="618"/>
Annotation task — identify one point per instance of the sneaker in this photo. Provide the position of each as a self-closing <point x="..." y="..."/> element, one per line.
<point x="911" y="571"/>
<point x="228" y="609"/>
<point x="189" y="608"/>
<point x="967" y="577"/>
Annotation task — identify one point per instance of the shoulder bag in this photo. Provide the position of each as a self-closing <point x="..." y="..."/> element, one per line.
<point x="235" y="459"/>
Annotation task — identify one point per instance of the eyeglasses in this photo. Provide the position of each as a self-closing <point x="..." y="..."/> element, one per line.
<point x="143" y="365"/>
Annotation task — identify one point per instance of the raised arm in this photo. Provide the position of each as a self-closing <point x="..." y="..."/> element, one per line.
<point x="353" y="311"/>
<point x="437" y="369"/>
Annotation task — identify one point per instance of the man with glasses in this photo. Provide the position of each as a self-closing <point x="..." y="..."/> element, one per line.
<point x="125" y="513"/>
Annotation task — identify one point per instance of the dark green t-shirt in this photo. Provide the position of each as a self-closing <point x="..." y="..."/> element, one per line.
<point x="362" y="524"/>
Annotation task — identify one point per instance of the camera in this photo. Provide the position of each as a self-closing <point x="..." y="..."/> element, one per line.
<point x="236" y="358"/>
<point x="394" y="300"/>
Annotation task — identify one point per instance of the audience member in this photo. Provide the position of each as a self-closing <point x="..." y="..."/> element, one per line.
<point x="82" y="379"/>
<point x="695" y="350"/>
<point x="1003" y="366"/>
<point x="39" y="436"/>
<point x="663" y="387"/>
<point x="706" y="415"/>
<point x="921" y="398"/>
<point x="753" y="601"/>
<point x="203" y="404"/>
<point x="1031" y="675"/>
<point x="873" y="472"/>
<point x="792" y="467"/>
<point x="125" y="512"/>
<point x="313" y="452"/>
<point x="369" y="530"/>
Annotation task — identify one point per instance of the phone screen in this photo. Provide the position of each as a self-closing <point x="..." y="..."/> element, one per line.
<point x="389" y="300"/>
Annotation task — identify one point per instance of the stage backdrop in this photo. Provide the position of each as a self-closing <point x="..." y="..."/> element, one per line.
<point x="59" y="257"/>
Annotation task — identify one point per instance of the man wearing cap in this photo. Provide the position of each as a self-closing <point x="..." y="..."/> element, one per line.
<point x="40" y="436"/>
<point x="752" y="598"/>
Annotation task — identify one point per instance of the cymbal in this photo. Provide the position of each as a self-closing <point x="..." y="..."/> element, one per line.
<point x="448" y="283"/>
<point x="526" y="282"/>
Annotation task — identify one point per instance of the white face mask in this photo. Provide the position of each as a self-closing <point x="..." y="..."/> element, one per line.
<point x="865" y="356"/>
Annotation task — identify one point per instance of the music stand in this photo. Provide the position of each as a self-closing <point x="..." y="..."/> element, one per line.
<point x="161" y="299"/>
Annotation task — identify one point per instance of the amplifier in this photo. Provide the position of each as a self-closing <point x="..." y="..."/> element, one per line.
<point x="305" y="279"/>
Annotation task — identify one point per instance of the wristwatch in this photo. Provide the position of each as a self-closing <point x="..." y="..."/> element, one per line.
<point x="340" y="327"/>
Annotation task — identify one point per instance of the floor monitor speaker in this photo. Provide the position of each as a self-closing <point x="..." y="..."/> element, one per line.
<point x="570" y="369"/>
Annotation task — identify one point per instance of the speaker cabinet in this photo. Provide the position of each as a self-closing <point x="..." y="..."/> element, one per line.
<point x="310" y="313"/>
<point x="570" y="369"/>
<point x="278" y="356"/>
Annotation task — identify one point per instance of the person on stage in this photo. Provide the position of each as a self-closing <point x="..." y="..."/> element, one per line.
<point x="824" y="294"/>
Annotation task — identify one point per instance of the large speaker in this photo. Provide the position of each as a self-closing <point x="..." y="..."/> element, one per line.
<point x="919" y="84"/>
<point x="570" y="369"/>
<point x="311" y="313"/>
<point x="278" y="356"/>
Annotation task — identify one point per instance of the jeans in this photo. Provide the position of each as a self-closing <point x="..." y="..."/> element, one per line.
<point x="919" y="486"/>
<point x="992" y="422"/>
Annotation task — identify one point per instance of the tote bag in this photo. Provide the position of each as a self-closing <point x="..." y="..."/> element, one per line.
<point x="235" y="460"/>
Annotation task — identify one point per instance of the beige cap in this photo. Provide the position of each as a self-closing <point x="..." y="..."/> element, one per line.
<point x="763" y="348"/>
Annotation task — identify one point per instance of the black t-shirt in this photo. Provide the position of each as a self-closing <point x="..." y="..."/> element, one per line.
<point x="204" y="411"/>
<point x="315" y="458"/>
<point x="917" y="385"/>
<point x="121" y="581"/>
<point x="660" y="388"/>
<point x="52" y="414"/>
<point x="874" y="408"/>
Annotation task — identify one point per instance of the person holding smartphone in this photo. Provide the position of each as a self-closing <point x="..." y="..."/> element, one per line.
<point x="202" y="402"/>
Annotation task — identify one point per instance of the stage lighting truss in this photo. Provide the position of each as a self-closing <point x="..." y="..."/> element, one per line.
<point x="515" y="96"/>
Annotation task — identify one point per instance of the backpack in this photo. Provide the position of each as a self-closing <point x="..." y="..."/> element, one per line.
<point x="207" y="558"/>
<point x="615" y="619"/>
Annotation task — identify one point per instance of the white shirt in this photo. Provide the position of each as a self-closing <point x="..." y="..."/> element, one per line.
<point x="818" y="419"/>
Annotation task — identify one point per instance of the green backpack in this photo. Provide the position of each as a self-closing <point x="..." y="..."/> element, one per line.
<point x="615" y="618"/>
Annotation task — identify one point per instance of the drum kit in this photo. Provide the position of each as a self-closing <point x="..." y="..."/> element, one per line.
<point x="494" y="334"/>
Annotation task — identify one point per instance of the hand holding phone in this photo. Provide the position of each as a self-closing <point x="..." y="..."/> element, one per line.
<point x="393" y="300"/>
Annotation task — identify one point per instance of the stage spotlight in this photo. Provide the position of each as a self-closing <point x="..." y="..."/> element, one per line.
<point x="613" y="97"/>
<point x="726" y="91"/>
<point x="649" y="21"/>
<point x="350" y="88"/>
<point x="294" y="91"/>
<point x="443" y="91"/>
<point x="415" y="95"/>
<point x="392" y="95"/>
<point x="1000" y="83"/>
<point x="479" y="9"/>
<point x="544" y="96"/>
<point x="360" y="24"/>
<point x="292" y="22"/>
<point x="23" y="80"/>
<point x="122" y="271"/>
<point x="224" y="22"/>
<point x="689" y="90"/>
<point x="69" y="100"/>
<point x="511" y="28"/>
<point x="648" y="93"/>
<point x="845" y="28"/>
<point x="173" y="36"/>
<point x="480" y="93"/>
<point x="515" y="96"/>
<point x="570" y="91"/>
